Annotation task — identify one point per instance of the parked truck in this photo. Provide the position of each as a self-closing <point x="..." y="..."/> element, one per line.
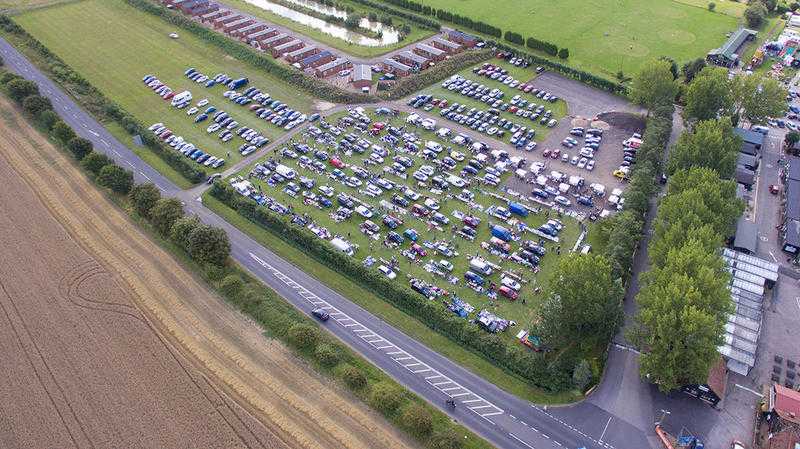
<point x="501" y="233"/>
<point x="480" y="266"/>
<point x="518" y="209"/>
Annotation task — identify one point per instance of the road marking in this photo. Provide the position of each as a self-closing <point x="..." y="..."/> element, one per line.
<point x="94" y="133"/>
<point x="384" y="347"/>
<point x="472" y="400"/>
<point x="515" y="437"/>
<point x="459" y="395"/>
<point x="129" y="163"/>
<point x="145" y="176"/>
<point x="773" y="257"/>
<point x="480" y="407"/>
<point x="441" y="383"/>
<point x="604" y="429"/>
<point x="748" y="389"/>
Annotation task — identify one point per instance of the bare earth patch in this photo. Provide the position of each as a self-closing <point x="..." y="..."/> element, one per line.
<point x="108" y="342"/>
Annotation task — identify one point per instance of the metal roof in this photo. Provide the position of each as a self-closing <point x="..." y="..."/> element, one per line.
<point x="749" y="136"/>
<point x="429" y="49"/>
<point x="736" y="40"/>
<point x="397" y="65"/>
<point x="792" y="206"/>
<point x="413" y="56"/>
<point x="793" y="168"/>
<point x="287" y="45"/>
<point x="746" y="235"/>
<point x="792" y="234"/>
<point x="362" y="72"/>
<point x="446" y="43"/>
<point x="333" y="64"/>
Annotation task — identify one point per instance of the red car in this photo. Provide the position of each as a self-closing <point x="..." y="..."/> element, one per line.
<point x="508" y="293"/>
<point x="169" y="95"/>
<point x="546" y="153"/>
<point x="419" y="250"/>
<point x="555" y="154"/>
<point x="336" y="162"/>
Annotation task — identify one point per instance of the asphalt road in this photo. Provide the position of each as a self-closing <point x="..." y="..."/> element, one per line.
<point x="503" y="419"/>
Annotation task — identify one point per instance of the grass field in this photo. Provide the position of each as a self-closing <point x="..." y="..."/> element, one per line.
<point x="416" y="34"/>
<point x="115" y="58"/>
<point x="606" y="36"/>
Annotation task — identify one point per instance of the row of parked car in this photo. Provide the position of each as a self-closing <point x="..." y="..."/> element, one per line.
<point x="267" y="108"/>
<point x="220" y="78"/>
<point x="500" y="74"/>
<point x="158" y="87"/>
<point x="186" y="148"/>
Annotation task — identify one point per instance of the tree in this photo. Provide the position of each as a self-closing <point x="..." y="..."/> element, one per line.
<point x="683" y="308"/>
<point x="757" y="98"/>
<point x="63" y="132"/>
<point x="673" y="66"/>
<point x="231" y="286"/>
<point x="34" y="105"/>
<point x="692" y="68"/>
<point x="770" y="4"/>
<point x="386" y="397"/>
<point x="712" y="145"/>
<point x="94" y="162"/>
<point x="352" y="22"/>
<point x="791" y="138"/>
<point x="144" y="197"/>
<point x="48" y="119"/>
<point x="327" y="354"/>
<point x="303" y="336"/>
<point x="116" y="178"/>
<point x="181" y="231"/>
<point x="712" y="6"/>
<point x="79" y="147"/>
<point x="654" y="85"/>
<point x="417" y="420"/>
<point x="582" y="375"/>
<point x="209" y="244"/>
<point x="563" y="53"/>
<point x="165" y="212"/>
<point x="623" y="238"/>
<point x="708" y="95"/>
<point x="755" y="14"/>
<point x="585" y="304"/>
<point x="20" y="88"/>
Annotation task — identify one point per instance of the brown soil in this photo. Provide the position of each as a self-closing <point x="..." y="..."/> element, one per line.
<point x="107" y="341"/>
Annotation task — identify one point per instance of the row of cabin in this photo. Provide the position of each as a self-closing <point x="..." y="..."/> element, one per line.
<point x="424" y="55"/>
<point x="264" y="37"/>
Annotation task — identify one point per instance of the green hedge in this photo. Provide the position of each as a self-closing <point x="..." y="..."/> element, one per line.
<point x="421" y="21"/>
<point x="258" y="60"/>
<point x="516" y="358"/>
<point x="410" y="84"/>
<point x="94" y="100"/>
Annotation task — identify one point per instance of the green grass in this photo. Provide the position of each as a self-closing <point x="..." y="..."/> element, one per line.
<point x="114" y="45"/>
<point x="606" y="36"/>
<point x="523" y="75"/>
<point x="416" y="34"/>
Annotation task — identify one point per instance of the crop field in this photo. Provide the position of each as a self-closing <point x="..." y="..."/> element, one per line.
<point x="422" y="237"/>
<point x="606" y="36"/>
<point x="350" y="48"/>
<point x="116" y="58"/>
<point x="558" y="109"/>
<point x="128" y="348"/>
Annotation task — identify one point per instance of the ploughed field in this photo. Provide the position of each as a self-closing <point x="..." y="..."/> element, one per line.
<point x="107" y="341"/>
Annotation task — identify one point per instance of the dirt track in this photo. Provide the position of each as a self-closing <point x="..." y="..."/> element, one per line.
<point x="85" y="305"/>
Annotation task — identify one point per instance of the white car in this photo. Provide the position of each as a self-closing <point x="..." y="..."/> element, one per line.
<point x="510" y="283"/>
<point x="432" y="204"/>
<point x="192" y="111"/>
<point x="154" y="126"/>
<point x="386" y="271"/>
<point x="590" y="165"/>
<point x="582" y="162"/>
<point x="445" y="265"/>
<point x="202" y="102"/>
<point x="326" y="190"/>
<point x="364" y="211"/>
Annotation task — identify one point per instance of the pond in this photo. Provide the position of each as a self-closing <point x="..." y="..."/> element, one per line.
<point x="389" y="36"/>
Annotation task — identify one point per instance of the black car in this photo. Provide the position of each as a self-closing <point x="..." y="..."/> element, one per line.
<point x="321" y="314"/>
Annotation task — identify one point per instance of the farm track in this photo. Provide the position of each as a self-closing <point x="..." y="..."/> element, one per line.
<point x="84" y="275"/>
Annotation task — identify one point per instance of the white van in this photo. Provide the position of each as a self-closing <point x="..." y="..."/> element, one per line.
<point x="181" y="98"/>
<point x="433" y="146"/>
<point x="285" y="171"/>
<point x="479" y="265"/>
<point x="342" y="246"/>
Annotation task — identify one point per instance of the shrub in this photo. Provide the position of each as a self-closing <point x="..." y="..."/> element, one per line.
<point x="417" y="420"/>
<point x="353" y="377"/>
<point x="165" y="213"/>
<point x="116" y="178"/>
<point x="63" y="132"/>
<point x="94" y="162"/>
<point x="563" y="53"/>
<point x="231" y="286"/>
<point x="582" y="375"/>
<point x="303" y="336"/>
<point x="712" y="6"/>
<point x="79" y="147"/>
<point x="755" y="14"/>
<point x="36" y="104"/>
<point x="327" y="355"/>
<point x="446" y="439"/>
<point x="20" y="88"/>
<point x="144" y="197"/>
<point x="386" y="397"/>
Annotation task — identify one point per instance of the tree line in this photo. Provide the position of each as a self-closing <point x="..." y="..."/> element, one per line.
<point x="684" y="299"/>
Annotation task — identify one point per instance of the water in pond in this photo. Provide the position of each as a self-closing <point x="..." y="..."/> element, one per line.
<point x="389" y="35"/>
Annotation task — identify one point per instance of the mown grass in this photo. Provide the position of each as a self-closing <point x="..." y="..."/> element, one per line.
<point x="606" y="37"/>
<point x="363" y="51"/>
<point x="114" y="45"/>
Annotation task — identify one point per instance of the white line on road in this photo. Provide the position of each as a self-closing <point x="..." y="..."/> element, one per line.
<point x="129" y="163"/>
<point x="144" y="176"/>
<point x="604" y="429"/>
<point x="773" y="257"/>
<point x="94" y="133"/>
<point x="515" y="437"/>
<point x="748" y="389"/>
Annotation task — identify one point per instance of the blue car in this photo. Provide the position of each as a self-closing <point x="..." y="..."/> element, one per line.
<point x="200" y="118"/>
<point x="211" y="109"/>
